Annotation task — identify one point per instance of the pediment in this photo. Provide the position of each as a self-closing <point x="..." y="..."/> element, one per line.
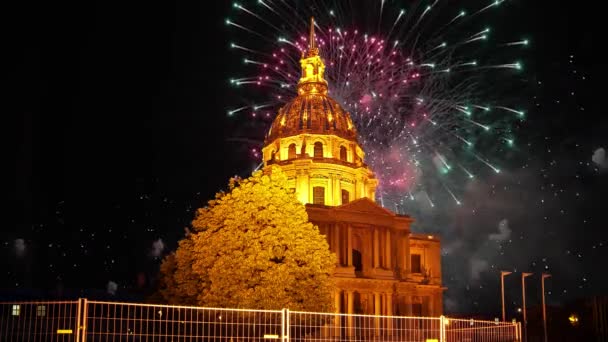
<point x="365" y="205"/>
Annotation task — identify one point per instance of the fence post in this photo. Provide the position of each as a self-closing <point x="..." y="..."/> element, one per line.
<point x="442" y="328"/>
<point x="81" y="327"/>
<point x="518" y="331"/>
<point x="78" y="312"/>
<point x="285" y="325"/>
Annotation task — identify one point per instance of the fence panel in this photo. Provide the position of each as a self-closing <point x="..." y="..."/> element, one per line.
<point x="109" y="321"/>
<point x="469" y="330"/>
<point x="96" y="321"/>
<point x="40" y="321"/>
<point x="311" y="326"/>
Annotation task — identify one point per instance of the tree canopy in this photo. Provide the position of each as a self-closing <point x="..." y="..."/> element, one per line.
<point x="252" y="247"/>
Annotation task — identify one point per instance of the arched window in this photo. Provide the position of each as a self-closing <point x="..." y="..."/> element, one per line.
<point x="291" y="151"/>
<point x="343" y="154"/>
<point x="345" y="196"/>
<point x="318" y="195"/>
<point x="318" y="150"/>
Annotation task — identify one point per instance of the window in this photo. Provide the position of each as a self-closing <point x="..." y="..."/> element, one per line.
<point x="318" y="195"/>
<point x="345" y="196"/>
<point x="318" y="150"/>
<point x="291" y="151"/>
<point x="415" y="260"/>
<point x="343" y="154"/>
<point x="41" y="311"/>
<point x="16" y="309"/>
<point x="357" y="261"/>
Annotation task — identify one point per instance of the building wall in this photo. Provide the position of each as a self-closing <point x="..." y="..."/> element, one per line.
<point x="374" y="272"/>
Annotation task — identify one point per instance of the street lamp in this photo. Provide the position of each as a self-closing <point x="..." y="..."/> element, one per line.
<point x="523" y="295"/>
<point x="502" y="291"/>
<point x="545" y="275"/>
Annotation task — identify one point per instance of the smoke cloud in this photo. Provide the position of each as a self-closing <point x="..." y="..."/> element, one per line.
<point x="477" y="267"/>
<point x="111" y="288"/>
<point x="599" y="158"/>
<point x="19" y="246"/>
<point x="158" y="247"/>
<point x="504" y="232"/>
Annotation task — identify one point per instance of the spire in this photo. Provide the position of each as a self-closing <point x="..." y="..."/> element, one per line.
<point x="312" y="80"/>
<point x="311" y="40"/>
<point x="312" y="45"/>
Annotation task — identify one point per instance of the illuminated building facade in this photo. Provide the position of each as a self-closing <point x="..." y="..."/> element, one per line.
<point x="382" y="267"/>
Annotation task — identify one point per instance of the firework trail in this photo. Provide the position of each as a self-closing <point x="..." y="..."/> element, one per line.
<point x="422" y="85"/>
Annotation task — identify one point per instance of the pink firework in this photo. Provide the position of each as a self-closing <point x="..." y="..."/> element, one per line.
<point x="418" y="102"/>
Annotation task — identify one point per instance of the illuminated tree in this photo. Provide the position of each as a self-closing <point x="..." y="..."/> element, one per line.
<point x="252" y="247"/>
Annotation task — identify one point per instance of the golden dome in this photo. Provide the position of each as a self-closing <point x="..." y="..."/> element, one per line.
<point x="316" y="114"/>
<point x="312" y="111"/>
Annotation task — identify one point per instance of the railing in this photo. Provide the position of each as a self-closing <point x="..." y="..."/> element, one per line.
<point x="95" y="321"/>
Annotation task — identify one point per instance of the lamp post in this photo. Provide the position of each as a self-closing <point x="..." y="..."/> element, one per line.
<point x="502" y="291"/>
<point x="545" y="275"/>
<point x="523" y="296"/>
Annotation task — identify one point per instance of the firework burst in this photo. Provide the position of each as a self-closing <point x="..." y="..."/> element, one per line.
<point x="422" y="85"/>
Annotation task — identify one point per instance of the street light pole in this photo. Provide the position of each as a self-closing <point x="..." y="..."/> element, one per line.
<point x="545" y="275"/>
<point x="502" y="291"/>
<point x="523" y="295"/>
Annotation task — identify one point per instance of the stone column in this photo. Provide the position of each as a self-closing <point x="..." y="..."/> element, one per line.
<point x="350" y="310"/>
<point x="377" y="312"/>
<point x="302" y="186"/>
<point x="402" y="250"/>
<point x="338" y="191"/>
<point x="376" y="248"/>
<point x="362" y="188"/>
<point x="406" y="244"/>
<point x="338" y="247"/>
<point x="337" y="302"/>
<point x="349" y="249"/>
<point x="387" y="249"/>
<point x="389" y="312"/>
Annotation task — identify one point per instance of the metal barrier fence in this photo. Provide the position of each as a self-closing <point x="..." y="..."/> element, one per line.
<point x="106" y="321"/>
<point x="487" y="331"/>
<point x="40" y="321"/>
<point x="96" y="321"/>
<point x="312" y="326"/>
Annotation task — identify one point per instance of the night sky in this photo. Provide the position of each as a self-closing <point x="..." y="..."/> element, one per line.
<point x="122" y="133"/>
